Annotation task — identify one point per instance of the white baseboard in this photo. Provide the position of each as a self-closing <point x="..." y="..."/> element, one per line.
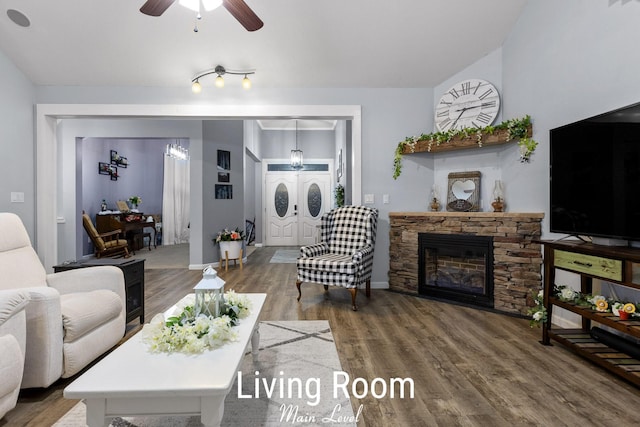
<point x="379" y="285"/>
<point x="563" y="322"/>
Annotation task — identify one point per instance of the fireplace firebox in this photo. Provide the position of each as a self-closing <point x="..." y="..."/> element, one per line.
<point x="456" y="267"/>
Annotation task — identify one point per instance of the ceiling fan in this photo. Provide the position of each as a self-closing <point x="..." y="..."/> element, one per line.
<point x="237" y="8"/>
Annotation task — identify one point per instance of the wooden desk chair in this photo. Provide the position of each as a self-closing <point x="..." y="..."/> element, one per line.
<point x="108" y="243"/>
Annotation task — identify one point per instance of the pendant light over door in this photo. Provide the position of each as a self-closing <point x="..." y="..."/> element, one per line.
<point x="296" y="155"/>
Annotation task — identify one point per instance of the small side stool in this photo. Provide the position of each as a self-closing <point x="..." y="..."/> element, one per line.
<point x="226" y="260"/>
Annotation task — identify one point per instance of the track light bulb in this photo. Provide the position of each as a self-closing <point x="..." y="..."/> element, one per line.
<point x="219" y="81"/>
<point x="246" y="83"/>
<point x="196" y="87"/>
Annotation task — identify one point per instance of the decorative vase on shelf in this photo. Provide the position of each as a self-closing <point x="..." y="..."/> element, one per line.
<point x="230" y="249"/>
<point x="498" y="197"/>
<point x="498" y="205"/>
<point x="435" y="204"/>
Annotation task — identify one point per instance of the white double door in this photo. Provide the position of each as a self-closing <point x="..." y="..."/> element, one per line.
<point x="294" y="203"/>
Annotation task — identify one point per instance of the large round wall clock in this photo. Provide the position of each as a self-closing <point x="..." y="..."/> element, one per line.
<point x="472" y="103"/>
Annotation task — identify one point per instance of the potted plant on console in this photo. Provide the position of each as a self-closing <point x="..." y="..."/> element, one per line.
<point x="135" y="201"/>
<point x="230" y="243"/>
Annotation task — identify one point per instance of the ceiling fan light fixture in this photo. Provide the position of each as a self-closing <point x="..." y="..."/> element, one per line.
<point x="209" y="5"/>
<point x="190" y="4"/>
<point x="237" y="8"/>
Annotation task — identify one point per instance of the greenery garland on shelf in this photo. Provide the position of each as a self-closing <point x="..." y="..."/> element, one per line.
<point x="516" y="129"/>
<point x="598" y="303"/>
<point x="339" y="195"/>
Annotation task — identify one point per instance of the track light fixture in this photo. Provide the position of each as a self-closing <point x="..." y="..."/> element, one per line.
<point x="220" y="71"/>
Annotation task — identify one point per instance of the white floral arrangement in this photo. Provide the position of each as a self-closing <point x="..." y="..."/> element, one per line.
<point x="188" y="333"/>
<point x="538" y="312"/>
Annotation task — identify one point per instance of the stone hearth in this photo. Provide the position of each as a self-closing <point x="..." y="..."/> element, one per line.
<point x="517" y="260"/>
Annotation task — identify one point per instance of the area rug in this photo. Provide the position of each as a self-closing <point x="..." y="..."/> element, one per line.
<point x="289" y="351"/>
<point x="285" y="256"/>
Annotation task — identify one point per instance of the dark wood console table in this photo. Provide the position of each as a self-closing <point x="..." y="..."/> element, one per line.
<point x="133" y="270"/>
<point x="619" y="265"/>
<point x="131" y="224"/>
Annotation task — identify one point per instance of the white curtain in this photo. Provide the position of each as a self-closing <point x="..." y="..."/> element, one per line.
<point x="175" y="201"/>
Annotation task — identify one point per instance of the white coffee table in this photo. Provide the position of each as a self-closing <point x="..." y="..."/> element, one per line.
<point x="131" y="381"/>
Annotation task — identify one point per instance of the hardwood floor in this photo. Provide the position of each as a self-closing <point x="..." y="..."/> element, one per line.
<point x="470" y="367"/>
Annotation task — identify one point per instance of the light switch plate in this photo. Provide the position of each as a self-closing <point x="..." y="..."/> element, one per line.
<point x="385" y="199"/>
<point x="17" y="197"/>
<point x="369" y="198"/>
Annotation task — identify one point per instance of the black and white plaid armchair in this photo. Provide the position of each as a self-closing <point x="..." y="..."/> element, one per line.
<point x="344" y="256"/>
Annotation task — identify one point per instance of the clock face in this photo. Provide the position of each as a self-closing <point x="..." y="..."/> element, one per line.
<point x="471" y="103"/>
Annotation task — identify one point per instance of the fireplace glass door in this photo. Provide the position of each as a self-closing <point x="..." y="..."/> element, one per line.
<point x="456" y="267"/>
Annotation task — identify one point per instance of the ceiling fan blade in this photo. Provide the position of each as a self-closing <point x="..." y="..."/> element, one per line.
<point x="243" y="13"/>
<point x="156" y="7"/>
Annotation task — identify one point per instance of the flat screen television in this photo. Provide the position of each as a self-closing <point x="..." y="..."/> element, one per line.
<point x="595" y="176"/>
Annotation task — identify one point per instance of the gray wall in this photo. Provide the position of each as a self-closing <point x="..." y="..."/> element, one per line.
<point x="566" y="61"/>
<point x="17" y="174"/>
<point x="219" y="214"/>
<point x="315" y="144"/>
<point x="562" y="61"/>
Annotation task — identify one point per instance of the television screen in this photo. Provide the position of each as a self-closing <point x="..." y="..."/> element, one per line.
<point x="595" y="173"/>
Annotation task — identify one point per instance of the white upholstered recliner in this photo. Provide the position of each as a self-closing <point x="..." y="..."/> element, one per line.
<point x="72" y="317"/>
<point x="13" y="335"/>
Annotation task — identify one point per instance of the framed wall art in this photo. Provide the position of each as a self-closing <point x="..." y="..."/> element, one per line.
<point x="118" y="160"/>
<point x="223" y="176"/>
<point x="224" y="191"/>
<point x="104" y="168"/>
<point x="224" y="160"/>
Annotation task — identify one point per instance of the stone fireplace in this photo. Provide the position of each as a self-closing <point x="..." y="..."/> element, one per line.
<point x="516" y="259"/>
<point x="456" y="267"/>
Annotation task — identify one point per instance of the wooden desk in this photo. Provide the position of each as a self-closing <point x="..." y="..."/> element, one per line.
<point x="119" y="221"/>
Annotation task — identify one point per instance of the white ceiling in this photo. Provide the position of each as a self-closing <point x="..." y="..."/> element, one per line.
<point x="304" y="43"/>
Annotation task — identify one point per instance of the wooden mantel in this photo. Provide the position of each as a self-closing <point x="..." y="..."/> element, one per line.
<point x="479" y="215"/>
<point x="498" y="137"/>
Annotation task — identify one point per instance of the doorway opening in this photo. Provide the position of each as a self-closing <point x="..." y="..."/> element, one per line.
<point x="57" y="227"/>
